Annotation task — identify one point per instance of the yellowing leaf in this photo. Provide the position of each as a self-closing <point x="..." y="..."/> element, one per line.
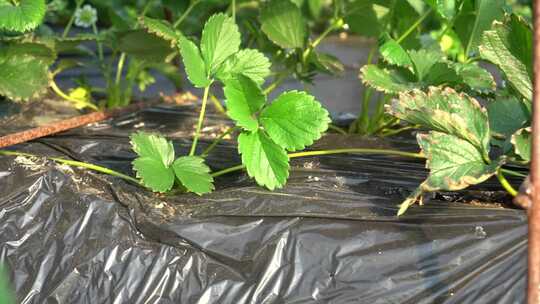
<point x="454" y="163"/>
<point x="446" y="111"/>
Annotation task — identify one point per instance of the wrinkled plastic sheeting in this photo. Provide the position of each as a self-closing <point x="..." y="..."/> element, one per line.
<point x="330" y="236"/>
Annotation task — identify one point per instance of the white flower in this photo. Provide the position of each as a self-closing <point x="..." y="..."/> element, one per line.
<point x="85" y="16"/>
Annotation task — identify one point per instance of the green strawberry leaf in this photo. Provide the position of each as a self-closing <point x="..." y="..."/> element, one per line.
<point x="153" y="146"/>
<point x="265" y="161"/>
<point x="161" y="28"/>
<point x="283" y="23"/>
<point x="295" y="120"/>
<point x="424" y="61"/>
<point x="363" y="18"/>
<point x="454" y="163"/>
<point x="326" y="63"/>
<point x="144" y="46"/>
<point x="393" y="53"/>
<point x="387" y="80"/>
<point x="476" y="17"/>
<point x="24" y="69"/>
<point x="248" y="62"/>
<point x="446" y="111"/>
<point x="220" y="39"/>
<point x="153" y="174"/>
<point x="194" y="174"/>
<point x="507" y="114"/>
<point x="23" y="17"/>
<point x="153" y="164"/>
<point x="244" y="99"/>
<point x="522" y="143"/>
<point x="475" y="77"/>
<point x="193" y="62"/>
<point x="509" y="46"/>
<point x="445" y="8"/>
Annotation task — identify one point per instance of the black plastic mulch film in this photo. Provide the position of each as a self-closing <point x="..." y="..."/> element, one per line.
<point x="330" y="236"/>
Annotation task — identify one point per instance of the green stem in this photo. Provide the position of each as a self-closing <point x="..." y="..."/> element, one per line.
<point x="217" y="104"/>
<point x="200" y="122"/>
<point x="146" y="8"/>
<point x="363" y="119"/>
<point x="74" y="163"/>
<point x="71" y="20"/>
<point x="334" y="26"/>
<point x="217" y="141"/>
<point x="99" y="45"/>
<point x="120" y="68"/>
<point x="279" y="79"/>
<point x="228" y="170"/>
<point x="414" y="26"/>
<point x="186" y="13"/>
<point x="234" y="10"/>
<point x="506" y="185"/>
<point x="330" y="152"/>
<point x="337" y="129"/>
<point x="513" y="173"/>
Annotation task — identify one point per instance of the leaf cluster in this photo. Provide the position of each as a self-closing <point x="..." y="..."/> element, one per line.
<point x="467" y="142"/>
<point x="291" y="122"/>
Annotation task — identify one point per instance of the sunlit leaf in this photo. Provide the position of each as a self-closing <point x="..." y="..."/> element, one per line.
<point x="265" y="161"/>
<point x="295" y="120"/>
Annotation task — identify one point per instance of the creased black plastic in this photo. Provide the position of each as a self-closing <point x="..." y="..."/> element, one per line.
<point x="330" y="236"/>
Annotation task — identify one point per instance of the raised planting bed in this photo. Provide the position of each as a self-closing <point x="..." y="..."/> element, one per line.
<point x="70" y="235"/>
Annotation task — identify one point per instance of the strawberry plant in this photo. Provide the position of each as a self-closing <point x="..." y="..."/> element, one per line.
<point x="29" y="56"/>
<point x="473" y="128"/>
<point x="268" y="131"/>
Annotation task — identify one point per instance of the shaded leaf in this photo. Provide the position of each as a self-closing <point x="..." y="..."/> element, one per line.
<point x="509" y="46"/>
<point x="445" y="8"/>
<point x="283" y="23"/>
<point x="423" y="62"/>
<point x="386" y="80"/>
<point x="392" y="52"/>
<point x="522" y="141"/>
<point x="244" y="100"/>
<point x="326" y="63"/>
<point x="144" y="46"/>
<point x="194" y="174"/>
<point x="362" y="18"/>
<point x="265" y="161"/>
<point x="248" y="62"/>
<point x="193" y="62"/>
<point x="161" y="28"/>
<point x="220" y="39"/>
<point x="475" y="18"/>
<point x="507" y="115"/>
<point x="295" y="120"/>
<point x="475" y="77"/>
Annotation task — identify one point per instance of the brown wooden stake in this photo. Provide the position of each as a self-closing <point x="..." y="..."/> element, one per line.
<point x="67" y="124"/>
<point x="533" y="292"/>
